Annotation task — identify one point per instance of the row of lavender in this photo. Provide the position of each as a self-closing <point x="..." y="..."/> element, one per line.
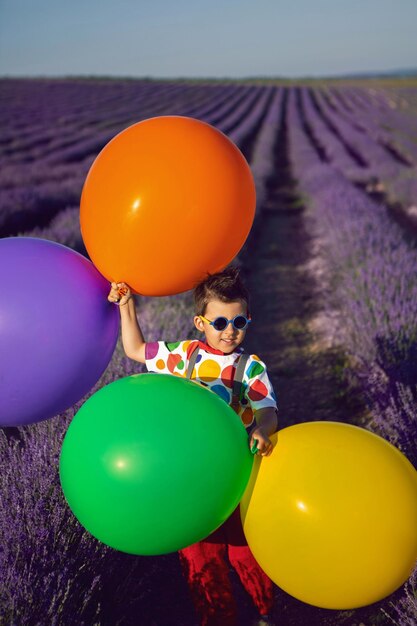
<point x="369" y="145"/>
<point x="51" y="565"/>
<point x="373" y="282"/>
<point x="380" y="116"/>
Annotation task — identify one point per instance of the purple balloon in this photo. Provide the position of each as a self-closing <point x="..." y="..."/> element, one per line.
<point x="57" y="329"/>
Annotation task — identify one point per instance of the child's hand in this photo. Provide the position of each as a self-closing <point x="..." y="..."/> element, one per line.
<point x="119" y="293"/>
<point x="264" y="444"/>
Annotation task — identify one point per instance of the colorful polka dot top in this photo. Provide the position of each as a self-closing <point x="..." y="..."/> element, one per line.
<point x="215" y="370"/>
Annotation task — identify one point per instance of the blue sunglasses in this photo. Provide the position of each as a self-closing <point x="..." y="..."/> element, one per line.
<point x="239" y="322"/>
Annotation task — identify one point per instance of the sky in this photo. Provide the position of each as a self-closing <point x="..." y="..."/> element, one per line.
<point x="206" y="38"/>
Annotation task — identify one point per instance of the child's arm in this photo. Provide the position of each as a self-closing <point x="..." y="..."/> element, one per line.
<point x="266" y="424"/>
<point x="132" y="337"/>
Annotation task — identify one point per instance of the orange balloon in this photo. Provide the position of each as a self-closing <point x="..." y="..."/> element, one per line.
<point x="167" y="201"/>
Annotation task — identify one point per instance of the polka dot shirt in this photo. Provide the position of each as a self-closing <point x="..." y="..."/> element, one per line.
<point x="215" y="370"/>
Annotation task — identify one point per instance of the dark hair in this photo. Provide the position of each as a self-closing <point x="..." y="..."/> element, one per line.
<point x="226" y="286"/>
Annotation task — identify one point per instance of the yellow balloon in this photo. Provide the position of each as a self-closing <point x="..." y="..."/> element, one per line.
<point x="331" y="515"/>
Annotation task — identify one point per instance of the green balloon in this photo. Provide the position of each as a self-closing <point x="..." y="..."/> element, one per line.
<point x="152" y="463"/>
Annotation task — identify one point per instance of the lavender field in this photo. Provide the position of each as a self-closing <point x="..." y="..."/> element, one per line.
<point x="331" y="263"/>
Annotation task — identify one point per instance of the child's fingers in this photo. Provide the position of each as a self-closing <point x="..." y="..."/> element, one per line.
<point x="268" y="449"/>
<point x="114" y="295"/>
<point x="264" y="446"/>
<point x="123" y="289"/>
<point x="117" y="286"/>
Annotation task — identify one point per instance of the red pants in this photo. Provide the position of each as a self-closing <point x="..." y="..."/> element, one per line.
<point x="206" y="568"/>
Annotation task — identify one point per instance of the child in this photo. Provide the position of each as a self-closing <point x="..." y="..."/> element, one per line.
<point x="222" y="313"/>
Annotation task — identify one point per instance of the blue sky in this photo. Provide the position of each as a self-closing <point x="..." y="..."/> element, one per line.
<point x="235" y="38"/>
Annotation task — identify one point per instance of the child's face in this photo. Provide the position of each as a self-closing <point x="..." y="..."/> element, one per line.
<point x="228" y="339"/>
